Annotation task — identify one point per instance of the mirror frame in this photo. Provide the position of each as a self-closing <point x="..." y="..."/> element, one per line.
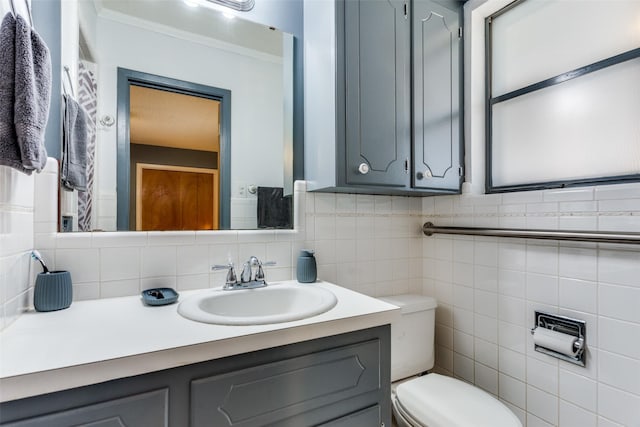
<point x="127" y="78"/>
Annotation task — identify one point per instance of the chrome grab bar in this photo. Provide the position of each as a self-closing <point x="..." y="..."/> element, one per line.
<point x="584" y="236"/>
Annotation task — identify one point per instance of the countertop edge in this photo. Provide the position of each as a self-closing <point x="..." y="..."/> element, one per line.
<point x="43" y="382"/>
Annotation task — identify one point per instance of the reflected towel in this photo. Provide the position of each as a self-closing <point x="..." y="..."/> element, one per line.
<point x="274" y="210"/>
<point x="32" y="94"/>
<point x="9" y="149"/>
<point x="75" y="136"/>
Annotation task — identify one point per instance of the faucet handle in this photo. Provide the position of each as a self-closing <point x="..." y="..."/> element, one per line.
<point x="231" y="274"/>
<point x="221" y="266"/>
<point x="260" y="272"/>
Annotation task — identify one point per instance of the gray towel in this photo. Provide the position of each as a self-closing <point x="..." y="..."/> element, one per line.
<point x="32" y="94"/>
<point x="75" y="136"/>
<point x="274" y="210"/>
<point x="9" y="149"/>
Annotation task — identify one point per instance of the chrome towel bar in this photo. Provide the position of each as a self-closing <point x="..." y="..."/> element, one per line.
<point x="584" y="236"/>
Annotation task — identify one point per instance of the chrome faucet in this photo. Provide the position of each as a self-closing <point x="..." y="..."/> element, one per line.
<point x="252" y="275"/>
<point x="251" y="270"/>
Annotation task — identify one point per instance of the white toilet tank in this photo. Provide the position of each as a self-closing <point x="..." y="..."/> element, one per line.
<point x="412" y="337"/>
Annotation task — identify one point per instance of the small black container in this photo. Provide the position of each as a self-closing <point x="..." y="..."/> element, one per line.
<point x="306" y="269"/>
<point x="53" y="291"/>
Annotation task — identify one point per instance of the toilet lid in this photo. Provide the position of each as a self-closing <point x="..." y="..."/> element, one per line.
<point x="438" y="401"/>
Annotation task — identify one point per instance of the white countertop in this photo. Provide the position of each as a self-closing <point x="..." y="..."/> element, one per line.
<point x="100" y="340"/>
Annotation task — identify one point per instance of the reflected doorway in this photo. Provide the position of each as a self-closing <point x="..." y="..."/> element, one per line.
<point x="173" y="154"/>
<point x="176" y="198"/>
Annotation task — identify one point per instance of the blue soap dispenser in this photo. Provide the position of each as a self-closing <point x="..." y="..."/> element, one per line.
<point x="306" y="270"/>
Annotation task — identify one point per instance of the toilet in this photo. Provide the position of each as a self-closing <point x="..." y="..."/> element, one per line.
<point x="433" y="400"/>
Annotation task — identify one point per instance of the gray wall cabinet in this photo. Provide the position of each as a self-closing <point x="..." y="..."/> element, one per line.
<point x="437" y="83"/>
<point x="342" y="380"/>
<point x="382" y="96"/>
<point x="377" y="81"/>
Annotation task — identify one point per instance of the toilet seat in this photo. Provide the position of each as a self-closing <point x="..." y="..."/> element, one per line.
<point x="436" y="400"/>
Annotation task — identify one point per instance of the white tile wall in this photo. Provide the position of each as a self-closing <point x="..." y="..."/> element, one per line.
<point x="243" y="213"/>
<point x="488" y="290"/>
<point x="20" y="225"/>
<point x="367" y="243"/>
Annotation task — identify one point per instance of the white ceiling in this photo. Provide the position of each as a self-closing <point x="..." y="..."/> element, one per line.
<point x="168" y="119"/>
<point x="206" y="21"/>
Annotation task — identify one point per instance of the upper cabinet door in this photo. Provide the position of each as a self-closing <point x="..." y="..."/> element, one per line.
<point x="377" y="105"/>
<point x="436" y="96"/>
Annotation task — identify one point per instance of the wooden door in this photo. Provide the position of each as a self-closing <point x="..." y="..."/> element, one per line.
<point x="176" y="198"/>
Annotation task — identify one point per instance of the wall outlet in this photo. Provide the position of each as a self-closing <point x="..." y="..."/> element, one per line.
<point x="241" y="190"/>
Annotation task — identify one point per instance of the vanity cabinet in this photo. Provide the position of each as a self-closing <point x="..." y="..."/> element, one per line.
<point x="382" y="96"/>
<point x="343" y="380"/>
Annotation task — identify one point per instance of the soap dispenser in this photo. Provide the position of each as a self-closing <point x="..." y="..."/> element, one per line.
<point x="306" y="270"/>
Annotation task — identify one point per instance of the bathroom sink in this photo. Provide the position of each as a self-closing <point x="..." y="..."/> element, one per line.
<point x="276" y="303"/>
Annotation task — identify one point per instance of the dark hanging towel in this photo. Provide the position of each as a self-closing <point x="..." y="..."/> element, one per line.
<point x="274" y="210"/>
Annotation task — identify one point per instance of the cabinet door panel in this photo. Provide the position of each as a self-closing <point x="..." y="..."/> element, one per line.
<point x="436" y="91"/>
<point x="377" y="58"/>
<point x="139" y="410"/>
<point x="369" y="417"/>
<point x="269" y="394"/>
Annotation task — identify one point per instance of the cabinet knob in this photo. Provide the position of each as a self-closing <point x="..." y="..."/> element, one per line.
<point x="425" y="174"/>
<point x="363" y="168"/>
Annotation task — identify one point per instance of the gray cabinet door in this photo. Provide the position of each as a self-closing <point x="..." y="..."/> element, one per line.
<point x="436" y="95"/>
<point x="138" y="410"/>
<point x="377" y="91"/>
<point x="369" y="417"/>
<point x="273" y="393"/>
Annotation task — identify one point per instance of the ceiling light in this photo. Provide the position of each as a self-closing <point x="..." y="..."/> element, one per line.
<point x="191" y="3"/>
<point x="241" y="5"/>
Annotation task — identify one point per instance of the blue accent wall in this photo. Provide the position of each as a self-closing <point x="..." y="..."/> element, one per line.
<point x="46" y="18"/>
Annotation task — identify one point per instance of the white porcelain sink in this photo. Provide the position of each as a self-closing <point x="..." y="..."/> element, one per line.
<point x="276" y="303"/>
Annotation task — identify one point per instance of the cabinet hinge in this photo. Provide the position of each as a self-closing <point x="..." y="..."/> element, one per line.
<point x="460" y="171"/>
<point x="460" y="32"/>
<point x="406" y="165"/>
<point x="406" y="10"/>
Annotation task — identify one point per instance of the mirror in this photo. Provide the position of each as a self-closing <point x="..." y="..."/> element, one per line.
<point x="228" y="77"/>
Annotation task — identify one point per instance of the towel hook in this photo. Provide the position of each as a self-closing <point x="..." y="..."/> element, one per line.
<point x="66" y="70"/>
<point x="15" y="12"/>
<point x="28" y="4"/>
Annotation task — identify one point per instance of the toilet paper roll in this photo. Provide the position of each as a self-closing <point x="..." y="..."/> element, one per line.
<point x="556" y="341"/>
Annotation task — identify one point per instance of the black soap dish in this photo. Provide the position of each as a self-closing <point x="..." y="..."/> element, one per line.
<point x="159" y="296"/>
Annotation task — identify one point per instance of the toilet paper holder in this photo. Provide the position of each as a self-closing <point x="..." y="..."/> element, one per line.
<point x="573" y="329"/>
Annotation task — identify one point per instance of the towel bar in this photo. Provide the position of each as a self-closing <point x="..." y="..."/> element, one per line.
<point x="584" y="236"/>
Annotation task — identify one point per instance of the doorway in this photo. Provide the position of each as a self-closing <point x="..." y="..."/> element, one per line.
<point x="176" y="198"/>
<point x="184" y="149"/>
